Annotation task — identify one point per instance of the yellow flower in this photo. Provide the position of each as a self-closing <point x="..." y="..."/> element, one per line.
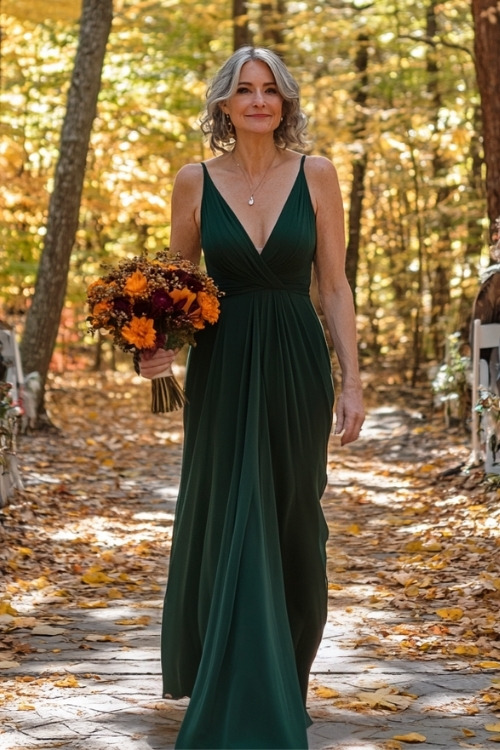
<point x="140" y="332"/>
<point x="136" y="284"/>
<point x="183" y="295"/>
<point x="209" y="306"/>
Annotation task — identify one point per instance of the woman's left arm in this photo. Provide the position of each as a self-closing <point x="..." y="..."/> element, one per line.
<point x="335" y="293"/>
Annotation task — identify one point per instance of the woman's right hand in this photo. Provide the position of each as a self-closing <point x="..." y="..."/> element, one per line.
<point x="157" y="364"/>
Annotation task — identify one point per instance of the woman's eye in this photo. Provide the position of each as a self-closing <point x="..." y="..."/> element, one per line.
<point x="245" y="90"/>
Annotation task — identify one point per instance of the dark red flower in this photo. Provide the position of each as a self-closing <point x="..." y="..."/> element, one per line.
<point x="122" y="304"/>
<point x="187" y="280"/>
<point x="161" y="300"/>
<point x="142" y="307"/>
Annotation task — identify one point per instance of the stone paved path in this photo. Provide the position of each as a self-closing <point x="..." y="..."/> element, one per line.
<point x="96" y="684"/>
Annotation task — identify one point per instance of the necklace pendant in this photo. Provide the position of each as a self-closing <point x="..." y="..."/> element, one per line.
<point x="251" y="201"/>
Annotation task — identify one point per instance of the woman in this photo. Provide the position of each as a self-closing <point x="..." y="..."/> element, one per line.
<point x="246" y="599"/>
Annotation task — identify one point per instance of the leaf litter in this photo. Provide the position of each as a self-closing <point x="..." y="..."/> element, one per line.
<point x="407" y="537"/>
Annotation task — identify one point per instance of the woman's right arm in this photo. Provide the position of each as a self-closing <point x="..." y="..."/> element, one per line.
<point x="184" y="240"/>
<point x="186" y="203"/>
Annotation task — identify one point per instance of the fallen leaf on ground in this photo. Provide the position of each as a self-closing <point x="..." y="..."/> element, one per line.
<point x="386" y="697"/>
<point x="326" y="692"/>
<point x="144" y="620"/>
<point x="99" y="637"/>
<point x="450" y="613"/>
<point x="468" y="732"/>
<point x="95" y="577"/>
<point x="412" y="737"/>
<point x="6" y="608"/>
<point x="69" y="681"/>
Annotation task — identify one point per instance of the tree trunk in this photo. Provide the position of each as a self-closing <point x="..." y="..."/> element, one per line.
<point x="43" y="317"/>
<point x="436" y="271"/>
<point x="486" y="17"/>
<point x="474" y="229"/>
<point x="241" y="30"/>
<point x="272" y="24"/>
<point x="419" y="287"/>
<point x="359" y="164"/>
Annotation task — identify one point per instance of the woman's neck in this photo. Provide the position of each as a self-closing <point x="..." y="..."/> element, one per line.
<point x="254" y="157"/>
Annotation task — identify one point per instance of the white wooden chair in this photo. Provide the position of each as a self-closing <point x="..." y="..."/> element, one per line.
<point x="11" y="372"/>
<point x="484" y="379"/>
<point x="11" y="360"/>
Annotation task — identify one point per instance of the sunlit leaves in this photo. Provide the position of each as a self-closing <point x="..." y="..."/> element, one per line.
<point x="159" y="60"/>
<point x="43" y="10"/>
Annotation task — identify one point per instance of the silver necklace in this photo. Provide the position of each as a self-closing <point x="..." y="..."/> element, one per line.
<point x="251" y="200"/>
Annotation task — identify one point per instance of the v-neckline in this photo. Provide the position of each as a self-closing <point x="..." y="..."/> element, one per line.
<point x="242" y="226"/>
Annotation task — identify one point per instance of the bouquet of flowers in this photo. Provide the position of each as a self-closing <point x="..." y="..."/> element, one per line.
<point x="147" y="305"/>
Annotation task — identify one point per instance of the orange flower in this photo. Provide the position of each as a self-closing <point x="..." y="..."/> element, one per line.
<point x="196" y="318"/>
<point x="183" y="295"/>
<point x="95" y="285"/>
<point x="209" y="306"/>
<point x="100" y="313"/>
<point x="140" y="332"/>
<point x="136" y="284"/>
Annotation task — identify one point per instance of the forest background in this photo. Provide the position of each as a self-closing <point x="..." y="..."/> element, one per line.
<point x="392" y="92"/>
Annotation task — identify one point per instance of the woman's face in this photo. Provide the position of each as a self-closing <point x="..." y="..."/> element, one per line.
<point x="256" y="106"/>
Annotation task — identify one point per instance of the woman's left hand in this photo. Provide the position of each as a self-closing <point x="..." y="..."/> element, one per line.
<point x="350" y="414"/>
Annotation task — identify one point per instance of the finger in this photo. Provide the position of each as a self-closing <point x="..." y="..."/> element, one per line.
<point x="156" y="364"/>
<point x="160" y="356"/>
<point x="155" y="367"/>
<point x="352" y="431"/>
<point x="339" y="427"/>
<point x="339" y="417"/>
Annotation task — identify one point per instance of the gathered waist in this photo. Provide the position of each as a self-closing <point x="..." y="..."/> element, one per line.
<point x="259" y="290"/>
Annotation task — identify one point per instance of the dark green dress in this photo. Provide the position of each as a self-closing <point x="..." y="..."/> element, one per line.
<point x="246" y="598"/>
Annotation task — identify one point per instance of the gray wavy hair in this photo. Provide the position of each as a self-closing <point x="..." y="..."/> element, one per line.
<point x="215" y="125"/>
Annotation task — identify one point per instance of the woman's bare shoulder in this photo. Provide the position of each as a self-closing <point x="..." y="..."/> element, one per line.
<point x="188" y="186"/>
<point x="322" y="180"/>
<point x="320" y="167"/>
<point x="189" y="175"/>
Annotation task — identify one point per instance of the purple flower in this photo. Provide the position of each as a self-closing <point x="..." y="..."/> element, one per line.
<point x="160" y="300"/>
